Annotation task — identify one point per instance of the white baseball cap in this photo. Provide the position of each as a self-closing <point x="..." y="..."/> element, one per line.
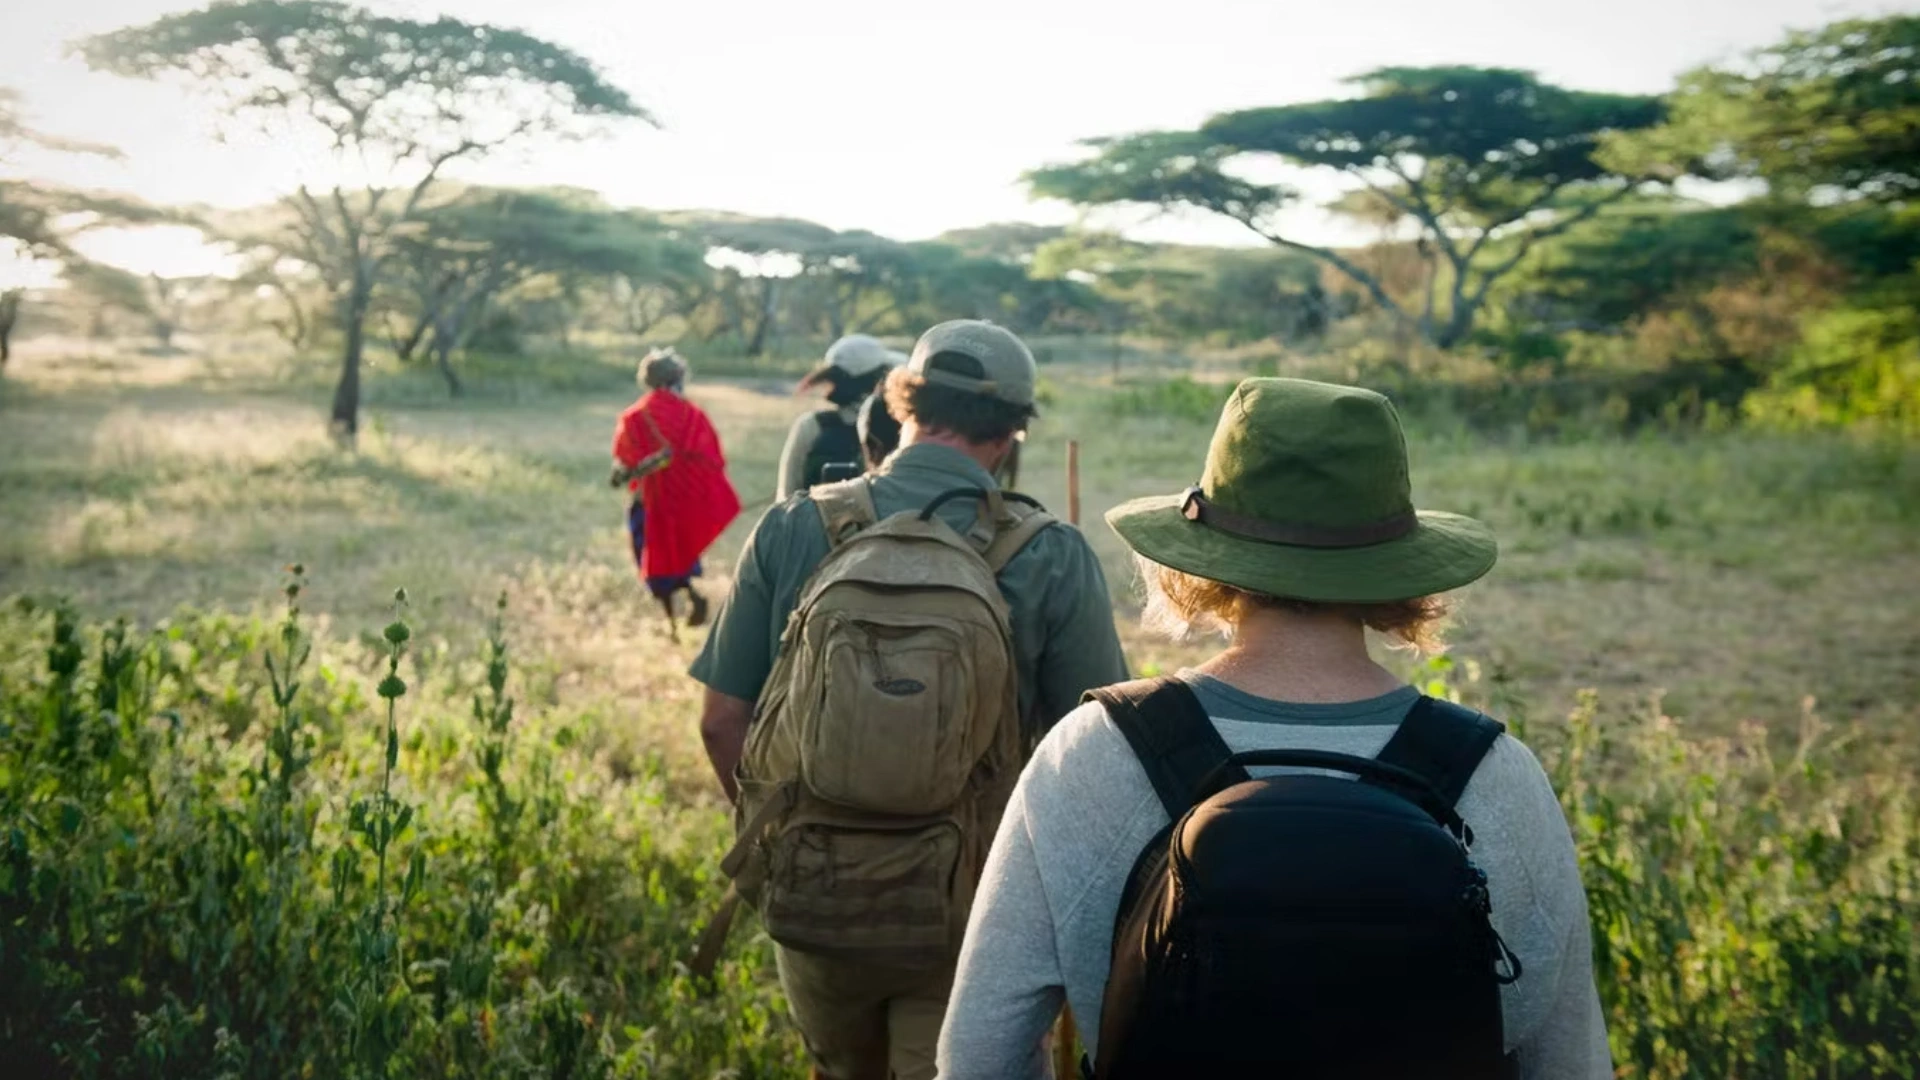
<point x="858" y="354"/>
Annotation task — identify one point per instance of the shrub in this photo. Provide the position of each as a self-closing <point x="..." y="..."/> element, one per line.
<point x="194" y="821"/>
<point x="223" y="857"/>
<point x="1179" y="398"/>
<point x="1857" y="366"/>
<point x="1751" y="918"/>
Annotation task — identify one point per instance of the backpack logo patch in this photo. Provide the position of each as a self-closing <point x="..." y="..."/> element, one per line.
<point x="900" y="687"/>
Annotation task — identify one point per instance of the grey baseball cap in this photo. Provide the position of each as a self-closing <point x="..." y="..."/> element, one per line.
<point x="1009" y="367"/>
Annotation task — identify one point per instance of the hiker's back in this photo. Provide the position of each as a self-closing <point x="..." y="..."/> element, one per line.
<point x="1348" y="907"/>
<point x="836" y="442"/>
<point x="850" y="858"/>
<point x="1086" y="810"/>
<point x="888" y="736"/>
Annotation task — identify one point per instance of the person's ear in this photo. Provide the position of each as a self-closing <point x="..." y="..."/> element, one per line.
<point x="1001" y="449"/>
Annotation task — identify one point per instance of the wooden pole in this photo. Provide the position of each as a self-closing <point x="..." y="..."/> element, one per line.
<point x="1066" y="1063"/>
<point x="1073" y="481"/>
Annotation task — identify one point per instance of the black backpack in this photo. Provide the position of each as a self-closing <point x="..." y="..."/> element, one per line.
<point x="837" y="444"/>
<point x="1303" y="925"/>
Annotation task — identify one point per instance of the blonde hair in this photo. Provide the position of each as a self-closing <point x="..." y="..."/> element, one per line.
<point x="1181" y="605"/>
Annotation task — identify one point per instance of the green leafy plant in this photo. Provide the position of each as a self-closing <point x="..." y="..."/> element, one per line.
<point x="192" y="842"/>
<point x="191" y="847"/>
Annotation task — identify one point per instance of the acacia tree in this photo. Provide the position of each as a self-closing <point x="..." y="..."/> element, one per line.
<point x="1227" y="294"/>
<point x="1483" y="163"/>
<point x="858" y="279"/>
<point x="459" y="257"/>
<point x="756" y="259"/>
<point x="1824" y="115"/>
<point x="268" y="271"/>
<point x="39" y="220"/>
<point x="664" y="273"/>
<point x="34" y="214"/>
<point x="395" y="98"/>
<point x="1007" y="241"/>
<point x="161" y="304"/>
<point x="987" y="272"/>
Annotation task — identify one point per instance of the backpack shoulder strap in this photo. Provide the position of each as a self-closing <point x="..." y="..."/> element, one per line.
<point x="1172" y="735"/>
<point x="845" y="508"/>
<point x="1442" y="742"/>
<point x="1012" y="539"/>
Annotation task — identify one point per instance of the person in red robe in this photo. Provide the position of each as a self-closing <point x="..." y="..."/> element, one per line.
<point x="667" y="453"/>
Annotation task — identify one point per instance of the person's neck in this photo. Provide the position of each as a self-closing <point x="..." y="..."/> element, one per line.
<point x="986" y="454"/>
<point x="1283" y="655"/>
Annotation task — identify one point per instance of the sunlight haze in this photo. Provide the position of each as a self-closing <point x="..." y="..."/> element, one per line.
<point x="904" y="119"/>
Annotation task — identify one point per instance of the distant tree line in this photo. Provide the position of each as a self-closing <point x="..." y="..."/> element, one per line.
<point x="1545" y="227"/>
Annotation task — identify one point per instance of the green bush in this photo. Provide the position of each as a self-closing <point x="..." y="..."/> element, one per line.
<point x="226" y="851"/>
<point x="1751" y="918"/>
<point x="1571" y="385"/>
<point x="1179" y="398"/>
<point x="221" y="857"/>
<point x="1857" y="367"/>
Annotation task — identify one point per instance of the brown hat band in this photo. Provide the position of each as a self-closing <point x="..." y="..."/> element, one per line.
<point x="1202" y="511"/>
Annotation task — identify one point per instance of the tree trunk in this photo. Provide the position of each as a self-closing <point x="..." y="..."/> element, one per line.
<point x="838" y="307"/>
<point x="1317" y="316"/>
<point x="769" y="300"/>
<point x="639" y="325"/>
<point x="1459" y="324"/>
<point x="292" y="329"/>
<point x="1461" y="312"/>
<point x="643" y="314"/>
<point x="567" y="315"/>
<point x="1433" y="288"/>
<point x="346" y="396"/>
<point x="9" y="314"/>
<point x="758" y="343"/>
<point x="403" y="349"/>
<point x="443" y="360"/>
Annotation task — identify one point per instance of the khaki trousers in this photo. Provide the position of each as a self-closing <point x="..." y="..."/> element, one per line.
<point x="862" y="1022"/>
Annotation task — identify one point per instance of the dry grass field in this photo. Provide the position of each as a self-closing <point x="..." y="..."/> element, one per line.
<point x="1730" y="577"/>
<point x="1672" y="617"/>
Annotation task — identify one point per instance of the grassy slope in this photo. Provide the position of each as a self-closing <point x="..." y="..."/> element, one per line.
<point x="1737" y="575"/>
<point x="1742" y="904"/>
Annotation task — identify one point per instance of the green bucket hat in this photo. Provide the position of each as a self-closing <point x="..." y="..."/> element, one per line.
<point x="1306" y="496"/>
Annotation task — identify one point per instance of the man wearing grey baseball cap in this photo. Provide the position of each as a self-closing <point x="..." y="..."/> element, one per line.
<point x="1001" y="367"/>
<point x="963" y="398"/>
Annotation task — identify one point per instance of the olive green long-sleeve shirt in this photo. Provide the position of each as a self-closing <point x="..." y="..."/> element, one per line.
<point x="1062" y="617"/>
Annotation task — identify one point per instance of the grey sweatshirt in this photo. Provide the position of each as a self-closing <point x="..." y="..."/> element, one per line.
<point x="1042" y="923"/>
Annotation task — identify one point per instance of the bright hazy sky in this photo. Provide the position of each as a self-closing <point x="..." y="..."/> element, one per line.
<point x="907" y="118"/>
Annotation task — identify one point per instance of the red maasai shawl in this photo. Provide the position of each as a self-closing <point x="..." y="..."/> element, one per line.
<point x="690" y="502"/>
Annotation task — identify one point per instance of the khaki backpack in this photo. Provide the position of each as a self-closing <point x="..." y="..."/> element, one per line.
<point x="887" y="740"/>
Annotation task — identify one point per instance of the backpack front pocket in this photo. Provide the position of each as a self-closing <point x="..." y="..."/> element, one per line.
<point x="893" y="730"/>
<point x="881" y="895"/>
